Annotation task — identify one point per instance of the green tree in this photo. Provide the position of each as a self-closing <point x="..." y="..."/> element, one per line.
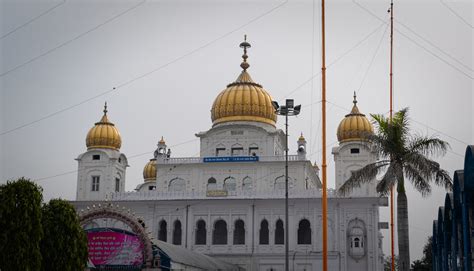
<point x="426" y="262"/>
<point x="387" y="263"/>
<point x="20" y="224"/>
<point x="401" y="156"/>
<point x="64" y="246"/>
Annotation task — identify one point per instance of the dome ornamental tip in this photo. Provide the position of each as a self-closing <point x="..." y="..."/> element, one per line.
<point x="243" y="100"/>
<point x="104" y="134"/>
<point x="355" y="126"/>
<point x="244" y="65"/>
<point x="162" y="141"/>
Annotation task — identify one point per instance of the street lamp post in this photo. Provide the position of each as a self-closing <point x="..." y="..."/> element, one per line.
<point x="289" y="109"/>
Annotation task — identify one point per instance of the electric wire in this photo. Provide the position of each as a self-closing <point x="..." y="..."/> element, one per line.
<point x="456" y="14"/>
<point x="450" y="151"/>
<point x="129" y="158"/>
<point x="32" y="20"/>
<point x="72" y="40"/>
<point x="334" y="62"/>
<point x="372" y="60"/>
<point x="419" y="44"/>
<point x="146" y="73"/>
<point x="312" y="72"/>
<point x="434" y="45"/>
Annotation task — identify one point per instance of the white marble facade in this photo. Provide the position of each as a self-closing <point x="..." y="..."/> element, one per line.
<point x="229" y="202"/>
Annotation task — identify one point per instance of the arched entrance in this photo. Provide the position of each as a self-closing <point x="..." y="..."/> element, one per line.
<point x="137" y="226"/>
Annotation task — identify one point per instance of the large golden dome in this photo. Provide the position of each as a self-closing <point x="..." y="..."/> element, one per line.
<point x="243" y="100"/>
<point x="355" y="126"/>
<point x="104" y="135"/>
<point x="149" y="171"/>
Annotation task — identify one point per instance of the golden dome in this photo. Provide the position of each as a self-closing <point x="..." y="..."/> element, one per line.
<point x="162" y="141"/>
<point x="243" y="100"/>
<point x="301" y="138"/>
<point x="149" y="171"/>
<point x="104" y="135"/>
<point x="355" y="126"/>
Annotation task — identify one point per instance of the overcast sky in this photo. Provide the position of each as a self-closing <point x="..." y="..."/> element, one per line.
<point x="168" y="60"/>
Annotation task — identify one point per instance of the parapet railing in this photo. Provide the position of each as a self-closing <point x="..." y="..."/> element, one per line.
<point x="216" y="194"/>
<point x="194" y="160"/>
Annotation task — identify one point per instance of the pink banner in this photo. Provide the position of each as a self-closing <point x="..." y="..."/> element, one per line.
<point x="113" y="248"/>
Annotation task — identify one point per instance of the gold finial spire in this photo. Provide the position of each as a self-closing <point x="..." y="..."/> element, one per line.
<point x="105" y="108"/>
<point x="355" y="109"/>
<point x="244" y="65"/>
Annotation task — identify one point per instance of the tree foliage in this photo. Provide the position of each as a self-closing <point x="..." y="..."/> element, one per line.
<point x="64" y="246"/>
<point x="35" y="237"/>
<point x="426" y="262"/>
<point x="387" y="263"/>
<point x="20" y="224"/>
<point x="402" y="156"/>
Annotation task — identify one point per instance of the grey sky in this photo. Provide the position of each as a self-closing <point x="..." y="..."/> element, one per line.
<point x="99" y="49"/>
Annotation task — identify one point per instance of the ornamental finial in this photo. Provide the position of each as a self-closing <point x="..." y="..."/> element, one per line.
<point x="355" y="98"/>
<point x="105" y="108"/>
<point x="244" y="65"/>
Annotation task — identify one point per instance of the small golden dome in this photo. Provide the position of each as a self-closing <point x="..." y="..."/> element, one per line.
<point x="162" y="141"/>
<point x="355" y="126"/>
<point x="149" y="171"/>
<point x="104" y="135"/>
<point x="301" y="138"/>
<point x="243" y="100"/>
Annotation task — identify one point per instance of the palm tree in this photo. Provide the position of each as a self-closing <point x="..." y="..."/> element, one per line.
<point x="401" y="156"/>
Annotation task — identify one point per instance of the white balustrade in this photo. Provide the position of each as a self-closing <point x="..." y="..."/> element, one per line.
<point x="194" y="160"/>
<point x="250" y="194"/>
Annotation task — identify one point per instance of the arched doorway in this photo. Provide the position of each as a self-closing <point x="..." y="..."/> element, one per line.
<point x="136" y="225"/>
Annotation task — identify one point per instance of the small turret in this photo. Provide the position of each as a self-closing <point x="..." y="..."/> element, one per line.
<point x="301" y="147"/>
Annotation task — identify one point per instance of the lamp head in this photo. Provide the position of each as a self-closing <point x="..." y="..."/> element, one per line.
<point x="275" y="105"/>
<point x="297" y="109"/>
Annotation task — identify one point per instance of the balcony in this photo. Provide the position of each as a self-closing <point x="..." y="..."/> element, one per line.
<point x="192" y="195"/>
<point x="196" y="160"/>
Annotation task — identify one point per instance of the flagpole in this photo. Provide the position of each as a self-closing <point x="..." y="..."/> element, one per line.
<point x="391" y="113"/>
<point x="324" y="166"/>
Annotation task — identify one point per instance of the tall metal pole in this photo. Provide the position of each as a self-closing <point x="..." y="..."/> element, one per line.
<point x="324" y="198"/>
<point x="287" y="240"/>
<point x="392" y="246"/>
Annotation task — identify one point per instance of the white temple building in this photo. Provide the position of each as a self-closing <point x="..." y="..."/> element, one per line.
<point x="228" y="203"/>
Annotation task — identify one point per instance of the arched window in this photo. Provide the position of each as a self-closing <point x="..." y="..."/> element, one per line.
<point x="304" y="232"/>
<point x="220" y="150"/>
<point x="253" y="149"/>
<point x="177" y="184"/>
<point x="279" y="233"/>
<point x="211" y="184"/>
<point x="229" y="184"/>
<point x="162" y="232"/>
<point x="201" y="233"/>
<point x="239" y="232"/>
<point x="177" y="233"/>
<point x="264" y="232"/>
<point x="279" y="183"/>
<point x="356" y="242"/>
<point x="237" y="150"/>
<point x="219" y="235"/>
<point x="247" y="183"/>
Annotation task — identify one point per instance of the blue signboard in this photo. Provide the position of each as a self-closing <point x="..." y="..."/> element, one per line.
<point x="230" y="159"/>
